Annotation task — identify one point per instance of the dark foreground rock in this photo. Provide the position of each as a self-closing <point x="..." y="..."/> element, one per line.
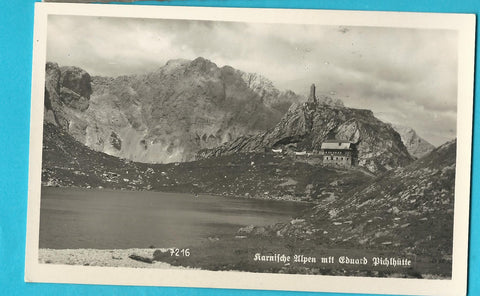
<point x="141" y="258"/>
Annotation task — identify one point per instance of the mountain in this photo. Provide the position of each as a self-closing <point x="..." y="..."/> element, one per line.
<point x="416" y="145"/>
<point x="308" y="125"/>
<point x="408" y="209"/>
<point x="68" y="163"/>
<point x="163" y="116"/>
<point x="271" y="96"/>
<point x="195" y="109"/>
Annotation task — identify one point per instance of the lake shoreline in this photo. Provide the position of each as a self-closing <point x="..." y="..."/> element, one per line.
<point x="103" y="258"/>
<point x="246" y="197"/>
<point x="149" y="258"/>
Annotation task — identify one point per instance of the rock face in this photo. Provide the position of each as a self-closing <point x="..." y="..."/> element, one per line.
<point x="307" y="125"/>
<point x="408" y="209"/>
<point x="312" y="98"/>
<point x="416" y="146"/>
<point x="271" y="96"/>
<point x="163" y="116"/>
<point x="67" y="95"/>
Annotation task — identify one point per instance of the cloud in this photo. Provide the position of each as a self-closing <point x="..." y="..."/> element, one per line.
<point x="406" y="76"/>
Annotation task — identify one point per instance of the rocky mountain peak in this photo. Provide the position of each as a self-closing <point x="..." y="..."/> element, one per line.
<point x="258" y="83"/>
<point x="166" y="115"/>
<point x="268" y="93"/>
<point x="77" y="80"/>
<point x="314" y="99"/>
<point x="67" y="91"/>
<point x="203" y="64"/>
<point x="174" y="64"/>
<point x="416" y="145"/>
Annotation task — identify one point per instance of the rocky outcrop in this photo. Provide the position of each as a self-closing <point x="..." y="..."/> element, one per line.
<point x="67" y="94"/>
<point x="416" y="146"/>
<point x="52" y="90"/>
<point x="75" y="87"/>
<point x="308" y="126"/>
<point x="166" y="115"/>
<point x="408" y="210"/>
<point x="312" y="98"/>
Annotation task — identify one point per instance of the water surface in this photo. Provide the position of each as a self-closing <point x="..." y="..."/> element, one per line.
<point x="110" y="219"/>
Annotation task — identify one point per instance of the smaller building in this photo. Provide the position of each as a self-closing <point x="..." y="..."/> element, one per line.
<point x="338" y="153"/>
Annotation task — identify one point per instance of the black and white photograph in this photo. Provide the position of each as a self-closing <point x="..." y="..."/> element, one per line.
<point x="252" y="145"/>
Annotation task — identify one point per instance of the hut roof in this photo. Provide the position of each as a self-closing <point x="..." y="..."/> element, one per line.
<point x="337" y="145"/>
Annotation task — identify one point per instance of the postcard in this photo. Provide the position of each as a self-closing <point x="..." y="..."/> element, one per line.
<point x="277" y="149"/>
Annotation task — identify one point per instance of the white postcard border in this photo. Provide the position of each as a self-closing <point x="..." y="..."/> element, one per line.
<point x="465" y="24"/>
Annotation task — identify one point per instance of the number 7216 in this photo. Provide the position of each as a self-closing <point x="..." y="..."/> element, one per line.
<point x="179" y="252"/>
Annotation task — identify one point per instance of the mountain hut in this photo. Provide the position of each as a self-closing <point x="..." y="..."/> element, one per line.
<point x="339" y="153"/>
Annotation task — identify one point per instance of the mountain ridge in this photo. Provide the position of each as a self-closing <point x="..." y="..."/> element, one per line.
<point x="309" y="124"/>
<point x="165" y="115"/>
<point x="192" y="109"/>
<point x="416" y="145"/>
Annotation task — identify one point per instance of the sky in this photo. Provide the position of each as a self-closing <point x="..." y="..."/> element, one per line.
<point x="405" y="76"/>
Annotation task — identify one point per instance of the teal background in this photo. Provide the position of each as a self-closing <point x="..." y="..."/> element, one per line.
<point x="16" y="39"/>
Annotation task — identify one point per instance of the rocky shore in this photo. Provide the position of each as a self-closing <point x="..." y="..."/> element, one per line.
<point x="109" y="258"/>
